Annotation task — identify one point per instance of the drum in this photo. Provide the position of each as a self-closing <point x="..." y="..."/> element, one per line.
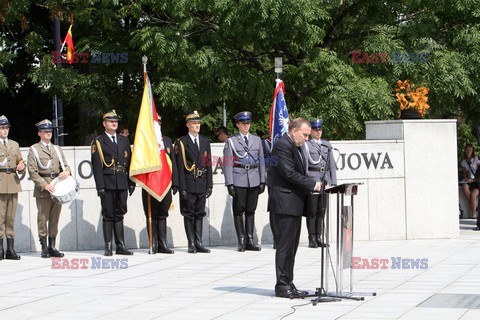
<point x="66" y="190"/>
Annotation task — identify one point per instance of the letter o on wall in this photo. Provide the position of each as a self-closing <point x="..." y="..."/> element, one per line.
<point x="80" y="169"/>
<point x="349" y="161"/>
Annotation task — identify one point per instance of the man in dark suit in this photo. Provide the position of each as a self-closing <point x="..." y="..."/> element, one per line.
<point x="289" y="187"/>
<point x="195" y="180"/>
<point x="110" y="164"/>
<point x="160" y="209"/>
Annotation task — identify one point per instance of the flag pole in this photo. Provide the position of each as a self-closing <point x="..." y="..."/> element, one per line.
<point x="149" y="197"/>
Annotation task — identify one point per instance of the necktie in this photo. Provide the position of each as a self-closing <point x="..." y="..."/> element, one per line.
<point x="48" y="147"/>
<point x="196" y="144"/>
<point x="246" y="140"/>
<point x="113" y="138"/>
<point x="5" y="142"/>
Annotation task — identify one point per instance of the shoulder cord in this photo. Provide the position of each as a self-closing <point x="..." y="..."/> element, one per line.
<point x="234" y="150"/>
<point x="192" y="167"/>
<point x="310" y="158"/>
<point x="37" y="159"/>
<point x="100" y="152"/>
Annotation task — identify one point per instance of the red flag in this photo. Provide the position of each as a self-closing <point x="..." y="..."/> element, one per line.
<point x="70" y="47"/>
<point x="150" y="166"/>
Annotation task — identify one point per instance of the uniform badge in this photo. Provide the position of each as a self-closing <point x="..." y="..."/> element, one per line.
<point x="125" y="153"/>
<point x="93" y="148"/>
<point x="168" y="150"/>
<point x="176" y="149"/>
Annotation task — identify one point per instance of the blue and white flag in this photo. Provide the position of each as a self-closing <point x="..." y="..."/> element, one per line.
<point x="278" y="114"/>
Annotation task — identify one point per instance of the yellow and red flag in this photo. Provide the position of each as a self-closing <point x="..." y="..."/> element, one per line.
<point x="150" y="166"/>
<point x="70" y="48"/>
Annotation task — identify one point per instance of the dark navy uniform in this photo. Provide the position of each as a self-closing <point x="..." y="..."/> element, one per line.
<point x="321" y="167"/>
<point x="110" y="165"/>
<point x="195" y="182"/>
<point x="160" y="209"/>
<point x="244" y="170"/>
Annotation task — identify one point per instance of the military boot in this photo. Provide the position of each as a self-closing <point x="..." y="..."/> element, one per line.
<point x="108" y="237"/>
<point x="154" y="236"/>
<point x="190" y="231"/>
<point x="120" y="240"/>
<point x="43" y="243"/>
<point x="198" y="236"/>
<point x="162" y="237"/>
<point x="2" y="254"/>
<point x="249" y="228"/>
<point x="52" y="250"/>
<point x="312" y="235"/>
<point x="11" y="254"/>
<point x="240" y="230"/>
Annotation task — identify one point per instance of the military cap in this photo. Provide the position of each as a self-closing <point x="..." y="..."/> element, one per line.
<point x="316" y="123"/>
<point x="111" y="115"/>
<point x="4" y="122"/>
<point x="243" y="116"/>
<point x="44" y="125"/>
<point x="193" y="116"/>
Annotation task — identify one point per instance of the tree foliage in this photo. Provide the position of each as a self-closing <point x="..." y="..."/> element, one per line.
<point x="203" y="54"/>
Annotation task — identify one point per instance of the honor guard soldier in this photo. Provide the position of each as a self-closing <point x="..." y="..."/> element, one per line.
<point x="110" y="164"/>
<point x="195" y="180"/>
<point x="11" y="162"/>
<point x="160" y="209"/>
<point x="321" y="167"/>
<point x="45" y="163"/>
<point x="244" y="169"/>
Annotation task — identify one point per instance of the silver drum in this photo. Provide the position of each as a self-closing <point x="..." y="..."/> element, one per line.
<point x="66" y="190"/>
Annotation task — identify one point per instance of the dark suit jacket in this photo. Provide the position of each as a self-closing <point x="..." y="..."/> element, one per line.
<point x="106" y="177"/>
<point x="288" y="182"/>
<point x="186" y="180"/>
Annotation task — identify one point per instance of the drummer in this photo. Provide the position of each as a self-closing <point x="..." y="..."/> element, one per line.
<point x="45" y="163"/>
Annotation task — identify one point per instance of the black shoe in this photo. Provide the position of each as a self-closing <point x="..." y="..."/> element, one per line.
<point x="290" y="294"/>
<point x="198" y="237"/>
<point x="298" y="292"/>
<point x="120" y="239"/>
<point x="162" y="246"/>
<point x="2" y="254"/>
<point x="190" y="232"/>
<point x="476" y="229"/>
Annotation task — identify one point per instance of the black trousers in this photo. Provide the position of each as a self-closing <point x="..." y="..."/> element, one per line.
<point x="114" y="205"/>
<point x="159" y="209"/>
<point x="287" y="238"/>
<point x="193" y="206"/>
<point x="316" y="205"/>
<point x="245" y="200"/>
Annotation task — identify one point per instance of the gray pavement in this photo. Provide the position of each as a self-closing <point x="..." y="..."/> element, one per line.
<point x="226" y="284"/>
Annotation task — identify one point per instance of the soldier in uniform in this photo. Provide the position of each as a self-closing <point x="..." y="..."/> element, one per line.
<point x="160" y="209"/>
<point x="110" y="164"/>
<point x="11" y="161"/>
<point x="195" y="180"/>
<point x="45" y="163"/>
<point x="321" y="167"/>
<point x="244" y="169"/>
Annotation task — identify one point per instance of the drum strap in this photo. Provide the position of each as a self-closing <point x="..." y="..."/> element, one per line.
<point x="59" y="157"/>
<point x="37" y="158"/>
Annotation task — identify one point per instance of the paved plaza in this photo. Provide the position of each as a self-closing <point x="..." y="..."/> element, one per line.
<point x="226" y="284"/>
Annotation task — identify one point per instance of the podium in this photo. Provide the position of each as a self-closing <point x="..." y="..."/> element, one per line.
<point x="344" y="240"/>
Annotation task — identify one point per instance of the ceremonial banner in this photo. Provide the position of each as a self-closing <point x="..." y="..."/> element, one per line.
<point x="150" y="167"/>
<point x="70" y="47"/>
<point x="278" y="113"/>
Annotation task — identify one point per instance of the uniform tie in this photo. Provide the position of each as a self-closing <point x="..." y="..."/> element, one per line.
<point x="48" y="147"/>
<point x="196" y="144"/>
<point x="246" y="140"/>
<point x="4" y="142"/>
<point x="113" y="139"/>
